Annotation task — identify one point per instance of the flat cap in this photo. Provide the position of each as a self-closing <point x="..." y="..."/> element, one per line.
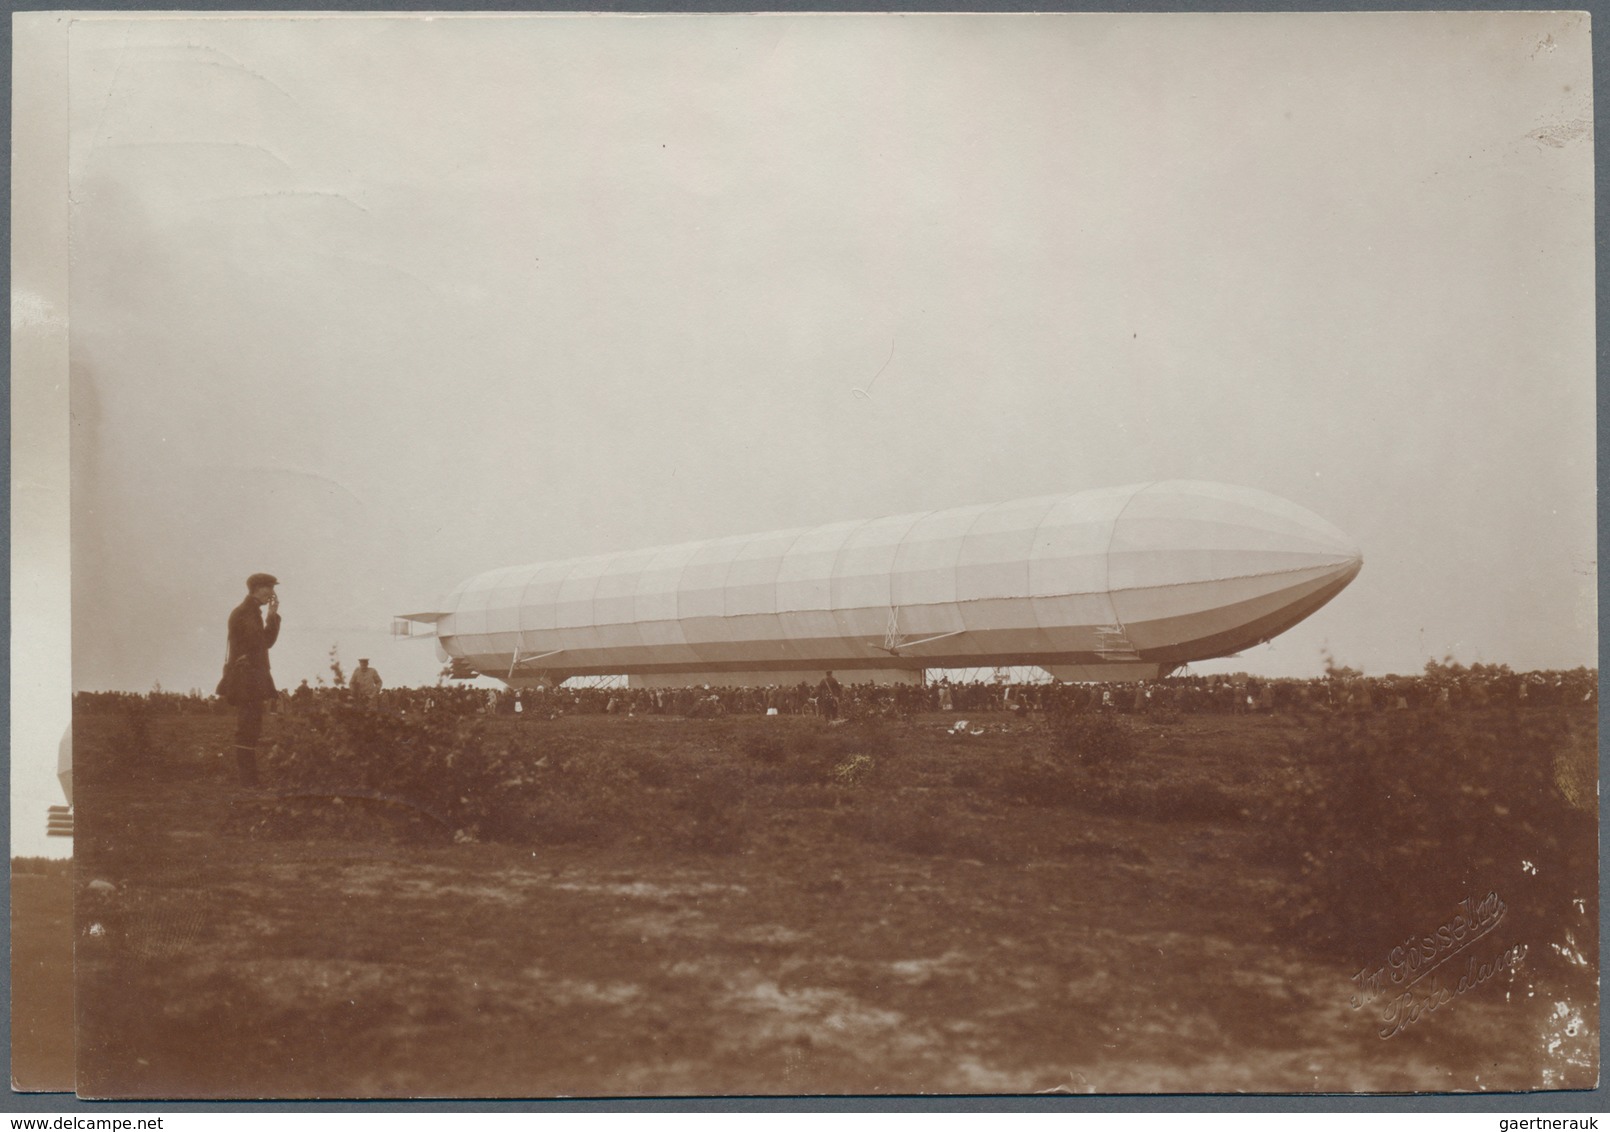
<point x="261" y="580"/>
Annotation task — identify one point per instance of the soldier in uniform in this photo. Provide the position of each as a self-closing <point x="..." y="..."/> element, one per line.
<point x="827" y="696"/>
<point x="248" y="684"/>
<point x="365" y="680"/>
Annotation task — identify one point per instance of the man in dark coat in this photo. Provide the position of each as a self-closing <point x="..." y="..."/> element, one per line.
<point x="827" y="696"/>
<point x="250" y="684"/>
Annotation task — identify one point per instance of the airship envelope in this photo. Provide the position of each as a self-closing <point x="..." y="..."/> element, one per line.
<point x="1118" y="583"/>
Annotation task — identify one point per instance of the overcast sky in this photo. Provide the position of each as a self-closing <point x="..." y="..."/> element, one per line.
<point x="378" y="303"/>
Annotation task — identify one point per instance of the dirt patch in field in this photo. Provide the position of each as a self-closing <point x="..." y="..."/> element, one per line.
<point x="42" y="1057"/>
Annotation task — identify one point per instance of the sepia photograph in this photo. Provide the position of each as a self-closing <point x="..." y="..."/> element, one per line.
<point x="805" y="554"/>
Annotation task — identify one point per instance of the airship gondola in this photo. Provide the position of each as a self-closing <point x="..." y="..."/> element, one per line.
<point x="1113" y="584"/>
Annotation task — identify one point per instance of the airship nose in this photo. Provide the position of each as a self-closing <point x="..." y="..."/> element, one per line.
<point x="1324" y="543"/>
<point x="1344" y="555"/>
<point x="1216" y="563"/>
<point x="1180" y="532"/>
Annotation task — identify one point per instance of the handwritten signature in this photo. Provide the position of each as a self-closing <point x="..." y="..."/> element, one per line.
<point x="1415" y="979"/>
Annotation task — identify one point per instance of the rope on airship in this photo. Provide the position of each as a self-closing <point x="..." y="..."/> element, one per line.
<point x="518" y="660"/>
<point x="894" y="649"/>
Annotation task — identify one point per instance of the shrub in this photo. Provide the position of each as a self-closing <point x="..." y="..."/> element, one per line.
<point x="1390" y="823"/>
<point x="443" y="770"/>
<point x="804" y="739"/>
<point x="43" y="866"/>
<point x="794" y="752"/>
<point x="1080" y="765"/>
<point x="1098" y="743"/>
<point x="137" y="732"/>
<point x="114" y="747"/>
<point x="871" y="733"/>
<point x="563" y="796"/>
<point x="1038" y="780"/>
<point x="853" y="771"/>
<point x="764" y="746"/>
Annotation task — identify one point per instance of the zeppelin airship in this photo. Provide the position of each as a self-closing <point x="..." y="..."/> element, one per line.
<point x="1125" y="583"/>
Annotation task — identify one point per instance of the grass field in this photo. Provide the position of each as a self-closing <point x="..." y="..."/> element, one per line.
<point x="742" y="906"/>
<point x="42" y="976"/>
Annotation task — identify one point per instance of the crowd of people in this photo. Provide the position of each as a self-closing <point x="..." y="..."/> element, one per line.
<point x="247" y="685"/>
<point x="830" y="697"/>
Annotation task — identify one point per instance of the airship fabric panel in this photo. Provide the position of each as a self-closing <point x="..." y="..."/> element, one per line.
<point x="1150" y="576"/>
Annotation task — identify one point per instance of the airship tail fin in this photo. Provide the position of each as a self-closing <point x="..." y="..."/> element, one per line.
<point x="407" y="625"/>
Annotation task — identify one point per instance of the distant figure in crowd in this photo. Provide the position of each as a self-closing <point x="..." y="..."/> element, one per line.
<point x="302" y="698"/>
<point x="365" y="680"/>
<point x="827" y="696"/>
<point x="248" y="684"/>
